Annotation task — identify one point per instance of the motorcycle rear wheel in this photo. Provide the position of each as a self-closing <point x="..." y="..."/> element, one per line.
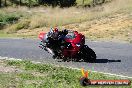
<point x="88" y="54"/>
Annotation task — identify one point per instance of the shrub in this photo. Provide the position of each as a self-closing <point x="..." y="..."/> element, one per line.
<point x="23" y="24"/>
<point x="8" y="18"/>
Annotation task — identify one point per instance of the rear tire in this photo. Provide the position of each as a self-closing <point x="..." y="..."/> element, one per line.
<point x="88" y="54"/>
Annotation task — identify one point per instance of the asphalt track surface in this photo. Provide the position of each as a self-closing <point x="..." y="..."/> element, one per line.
<point x="112" y="57"/>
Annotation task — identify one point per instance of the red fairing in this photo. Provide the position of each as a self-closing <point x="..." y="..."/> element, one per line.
<point x="79" y="39"/>
<point x="41" y="35"/>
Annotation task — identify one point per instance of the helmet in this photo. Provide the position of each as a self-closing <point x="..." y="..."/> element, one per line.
<point x="55" y="30"/>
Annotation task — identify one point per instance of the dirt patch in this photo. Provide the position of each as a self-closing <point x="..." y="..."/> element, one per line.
<point x="115" y="26"/>
<point x="8" y="69"/>
<point x="113" y="22"/>
<point x="39" y="74"/>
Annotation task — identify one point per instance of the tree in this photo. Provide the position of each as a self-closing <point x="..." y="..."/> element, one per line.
<point x="66" y="3"/>
<point x="20" y="2"/>
<point x="0" y="3"/>
<point x="5" y="3"/>
<point x="83" y="2"/>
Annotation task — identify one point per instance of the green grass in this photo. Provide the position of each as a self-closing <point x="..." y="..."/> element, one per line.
<point x="35" y="75"/>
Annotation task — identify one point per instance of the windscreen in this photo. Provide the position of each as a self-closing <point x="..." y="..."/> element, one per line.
<point x="70" y="35"/>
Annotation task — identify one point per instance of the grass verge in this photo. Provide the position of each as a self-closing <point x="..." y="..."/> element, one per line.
<point x="111" y="21"/>
<point x="37" y="75"/>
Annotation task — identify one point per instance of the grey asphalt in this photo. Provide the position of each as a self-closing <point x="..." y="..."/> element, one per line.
<point x="112" y="57"/>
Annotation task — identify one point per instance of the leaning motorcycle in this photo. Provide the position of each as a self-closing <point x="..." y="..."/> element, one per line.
<point x="72" y="47"/>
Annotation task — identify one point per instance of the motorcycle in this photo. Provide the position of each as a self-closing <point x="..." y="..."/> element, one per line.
<point x="72" y="47"/>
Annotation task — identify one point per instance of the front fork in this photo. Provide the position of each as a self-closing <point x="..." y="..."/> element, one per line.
<point x="43" y="46"/>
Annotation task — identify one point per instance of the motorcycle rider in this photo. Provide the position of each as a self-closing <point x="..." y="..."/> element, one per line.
<point x="57" y="40"/>
<point x="55" y="34"/>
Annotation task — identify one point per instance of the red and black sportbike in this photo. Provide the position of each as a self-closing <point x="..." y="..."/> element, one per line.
<point x="69" y="45"/>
